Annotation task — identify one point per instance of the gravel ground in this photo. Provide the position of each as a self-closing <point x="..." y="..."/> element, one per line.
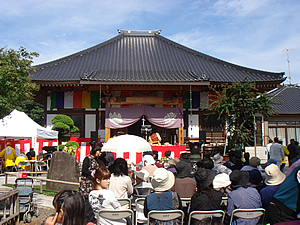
<point x="44" y="213"/>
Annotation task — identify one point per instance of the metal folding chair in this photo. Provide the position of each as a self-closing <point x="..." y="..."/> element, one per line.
<point x="224" y="201"/>
<point x="143" y="191"/>
<point x="139" y="211"/>
<point x="165" y="215"/>
<point x="114" y="214"/>
<point x="247" y="214"/>
<point x="25" y="164"/>
<point x="124" y="201"/>
<point x="185" y="202"/>
<point x="39" y="165"/>
<point x="199" y="215"/>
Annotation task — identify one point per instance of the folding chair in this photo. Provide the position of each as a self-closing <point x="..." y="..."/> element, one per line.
<point x="185" y="202"/>
<point x="39" y="165"/>
<point x="247" y="214"/>
<point x="143" y="191"/>
<point x="114" y="214"/>
<point x="165" y="215"/>
<point x="224" y="201"/>
<point x="139" y="211"/>
<point x="199" y="215"/>
<point x="25" y="164"/>
<point x="124" y="201"/>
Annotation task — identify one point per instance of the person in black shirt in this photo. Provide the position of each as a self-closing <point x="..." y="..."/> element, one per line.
<point x="31" y="154"/>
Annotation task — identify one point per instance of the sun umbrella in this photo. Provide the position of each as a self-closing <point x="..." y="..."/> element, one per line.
<point x="126" y="143"/>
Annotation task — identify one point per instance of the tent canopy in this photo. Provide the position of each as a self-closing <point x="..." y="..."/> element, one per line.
<point x="17" y="125"/>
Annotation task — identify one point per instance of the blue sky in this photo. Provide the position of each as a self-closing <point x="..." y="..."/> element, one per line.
<point x="251" y="33"/>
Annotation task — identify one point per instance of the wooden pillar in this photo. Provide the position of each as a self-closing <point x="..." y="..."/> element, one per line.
<point x="107" y="134"/>
<point x="107" y="130"/>
<point x="180" y="135"/>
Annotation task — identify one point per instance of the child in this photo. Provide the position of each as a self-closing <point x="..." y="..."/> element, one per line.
<point x="69" y="209"/>
<point x="102" y="198"/>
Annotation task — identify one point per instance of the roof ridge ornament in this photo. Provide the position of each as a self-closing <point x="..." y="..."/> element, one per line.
<point x="139" y="32"/>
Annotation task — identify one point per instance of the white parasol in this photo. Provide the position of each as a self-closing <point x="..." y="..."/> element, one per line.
<point x="126" y="143"/>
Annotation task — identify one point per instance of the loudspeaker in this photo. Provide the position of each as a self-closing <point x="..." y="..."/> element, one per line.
<point x="202" y="136"/>
<point x="94" y="136"/>
<point x="195" y="148"/>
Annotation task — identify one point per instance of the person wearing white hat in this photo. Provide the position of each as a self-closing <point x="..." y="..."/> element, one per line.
<point x="218" y="166"/>
<point x="162" y="198"/>
<point x="222" y="183"/>
<point x="141" y="179"/>
<point x="149" y="164"/>
<point x="285" y="204"/>
<point x="274" y="177"/>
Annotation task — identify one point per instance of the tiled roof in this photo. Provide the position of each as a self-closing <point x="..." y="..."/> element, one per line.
<point x="142" y="57"/>
<point x="288" y="98"/>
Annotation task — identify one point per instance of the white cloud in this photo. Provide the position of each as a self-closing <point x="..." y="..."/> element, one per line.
<point x="238" y="8"/>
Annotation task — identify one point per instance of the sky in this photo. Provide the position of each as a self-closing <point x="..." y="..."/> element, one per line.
<point x="250" y="33"/>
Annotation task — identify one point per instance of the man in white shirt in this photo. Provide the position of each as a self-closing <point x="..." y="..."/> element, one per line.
<point x="268" y="147"/>
<point x="276" y="152"/>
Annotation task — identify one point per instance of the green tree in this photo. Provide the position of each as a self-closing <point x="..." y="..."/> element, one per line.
<point x="34" y="110"/>
<point x="64" y="125"/>
<point x="236" y="107"/>
<point x="15" y="83"/>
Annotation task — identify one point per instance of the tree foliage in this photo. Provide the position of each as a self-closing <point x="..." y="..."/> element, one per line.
<point x="64" y="125"/>
<point x="15" y="84"/>
<point x="34" y="110"/>
<point x="236" y="107"/>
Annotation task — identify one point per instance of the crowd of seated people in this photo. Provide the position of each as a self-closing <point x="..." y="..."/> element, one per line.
<point x="210" y="184"/>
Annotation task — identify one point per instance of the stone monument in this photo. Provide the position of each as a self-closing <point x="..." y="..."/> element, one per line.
<point x="63" y="167"/>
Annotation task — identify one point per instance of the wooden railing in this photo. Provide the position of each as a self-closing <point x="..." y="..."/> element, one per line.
<point x="9" y="209"/>
<point x="41" y="179"/>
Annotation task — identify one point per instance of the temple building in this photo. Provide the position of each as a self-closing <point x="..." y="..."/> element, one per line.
<point x="285" y="123"/>
<point x="141" y="83"/>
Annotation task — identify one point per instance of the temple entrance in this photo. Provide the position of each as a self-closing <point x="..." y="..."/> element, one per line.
<point x="167" y="135"/>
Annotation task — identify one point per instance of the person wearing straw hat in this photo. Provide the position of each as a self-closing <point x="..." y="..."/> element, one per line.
<point x="10" y="156"/>
<point x="242" y="197"/>
<point x="285" y="204"/>
<point x="162" y="198"/>
<point x="274" y="177"/>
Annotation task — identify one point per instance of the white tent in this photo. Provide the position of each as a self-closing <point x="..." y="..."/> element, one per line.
<point x="17" y="125"/>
